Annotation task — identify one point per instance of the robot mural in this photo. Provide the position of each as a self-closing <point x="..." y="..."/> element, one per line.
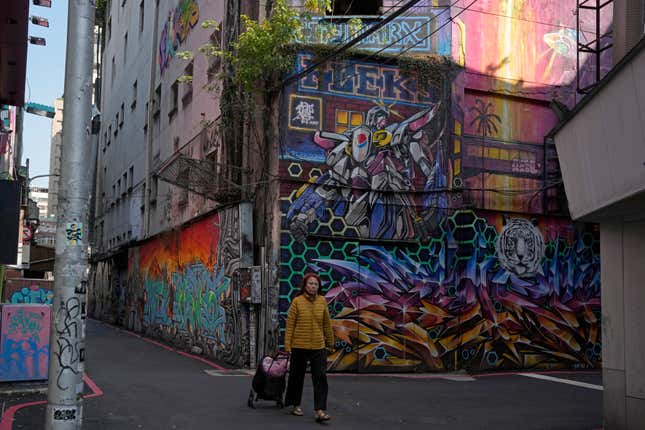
<point x="373" y="173"/>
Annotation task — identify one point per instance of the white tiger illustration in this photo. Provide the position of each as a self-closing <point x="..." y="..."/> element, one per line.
<point x="520" y="247"/>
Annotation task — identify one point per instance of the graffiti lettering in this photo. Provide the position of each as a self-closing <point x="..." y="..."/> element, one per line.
<point x="33" y="294"/>
<point x="25" y="324"/>
<point x="180" y="20"/>
<point x="24" y="348"/>
<point x="409" y="32"/>
<point x="367" y="81"/>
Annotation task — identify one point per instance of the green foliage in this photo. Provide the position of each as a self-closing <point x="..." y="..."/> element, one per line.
<point x="260" y="53"/>
<point x="429" y="70"/>
<point x="320" y="7"/>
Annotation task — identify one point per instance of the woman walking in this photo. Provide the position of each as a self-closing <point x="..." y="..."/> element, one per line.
<point x="307" y="336"/>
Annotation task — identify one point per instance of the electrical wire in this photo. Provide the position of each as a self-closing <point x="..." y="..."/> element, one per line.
<point x="349" y="44"/>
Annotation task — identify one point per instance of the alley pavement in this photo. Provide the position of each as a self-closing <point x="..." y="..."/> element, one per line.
<point x="134" y="383"/>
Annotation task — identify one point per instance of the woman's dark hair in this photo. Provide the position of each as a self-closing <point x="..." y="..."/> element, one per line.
<point x="304" y="283"/>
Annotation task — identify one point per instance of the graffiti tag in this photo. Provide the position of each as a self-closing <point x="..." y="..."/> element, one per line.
<point x="68" y="344"/>
<point x="25" y="324"/>
<point x="66" y="414"/>
<point x="180" y="20"/>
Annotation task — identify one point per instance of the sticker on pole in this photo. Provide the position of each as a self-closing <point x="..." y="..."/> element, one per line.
<point x="74" y="233"/>
<point x="65" y="414"/>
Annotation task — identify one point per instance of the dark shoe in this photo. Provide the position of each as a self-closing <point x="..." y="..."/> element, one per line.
<point x="322" y="416"/>
<point x="297" y="411"/>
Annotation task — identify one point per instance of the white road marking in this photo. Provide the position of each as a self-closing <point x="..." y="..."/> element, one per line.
<point x="562" y="381"/>
<point x="232" y="372"/>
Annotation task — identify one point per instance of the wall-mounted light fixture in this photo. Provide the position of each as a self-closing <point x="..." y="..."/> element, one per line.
<point x="37" y="20"/>
<point x="37" y="40"/>
<point x="43" y="3"/>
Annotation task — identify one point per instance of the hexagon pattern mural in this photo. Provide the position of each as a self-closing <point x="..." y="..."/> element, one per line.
<point x="449" y="303"/>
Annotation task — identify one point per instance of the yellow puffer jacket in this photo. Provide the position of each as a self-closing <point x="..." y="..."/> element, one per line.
<point x="308" y="324"/>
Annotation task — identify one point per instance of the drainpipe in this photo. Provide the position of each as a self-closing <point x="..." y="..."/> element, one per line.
<point x="149" y="119"/>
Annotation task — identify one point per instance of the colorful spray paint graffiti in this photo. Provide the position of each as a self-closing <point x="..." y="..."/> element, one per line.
<point x="180" y="21"/>
<point x="375" y="176"/>
<point x="183" y="287"/>
<point x="478" y="295"/>
<point x="383" y="146"/>
<point x="22" y="290"/>
<point x="410" y="33"/>
<point x="24" y="344"/>
<point x="529" y="46"/>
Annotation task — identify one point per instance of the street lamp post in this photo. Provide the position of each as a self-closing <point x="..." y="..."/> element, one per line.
<point x="67" y="343"/>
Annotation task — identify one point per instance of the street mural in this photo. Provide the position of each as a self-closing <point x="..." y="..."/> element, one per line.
<point x="370" y="151"/>
<point x="484" y="292"/>
<point x="182" y="287"/>
<point x="377" y="174"/>
<point x="180" y="21"/>
<point x="528" y="45"/>
<point x="24" y="343"/>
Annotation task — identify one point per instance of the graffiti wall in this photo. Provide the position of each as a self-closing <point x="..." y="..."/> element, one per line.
<point x="527" y="47"/>
<point x="183" y="287"/>
<point x="364" y="147"/>
<point x="378" y="175"/>
<point x="484" y="292"/>
<point x="34" y="291"/>
<point x="180" y="21"/>
<point x="24" y="342"/>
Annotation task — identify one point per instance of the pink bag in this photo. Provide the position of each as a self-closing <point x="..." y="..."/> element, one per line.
<point x="277" y="365"/>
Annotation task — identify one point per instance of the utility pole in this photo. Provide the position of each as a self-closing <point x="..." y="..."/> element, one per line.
<point x="67" y="335"/>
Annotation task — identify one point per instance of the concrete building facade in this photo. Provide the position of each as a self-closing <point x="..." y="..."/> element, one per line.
<point x="602" y="153"/>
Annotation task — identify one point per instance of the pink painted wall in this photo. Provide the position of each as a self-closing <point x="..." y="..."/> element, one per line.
<point x="24" y="342"/>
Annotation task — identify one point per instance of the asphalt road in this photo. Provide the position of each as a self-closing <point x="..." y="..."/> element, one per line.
<point x="147" y="386"/>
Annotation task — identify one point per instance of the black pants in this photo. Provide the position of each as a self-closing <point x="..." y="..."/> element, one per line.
<point x="297" y="369"/>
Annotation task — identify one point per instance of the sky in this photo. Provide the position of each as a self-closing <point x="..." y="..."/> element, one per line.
<point x="45" y="83"/>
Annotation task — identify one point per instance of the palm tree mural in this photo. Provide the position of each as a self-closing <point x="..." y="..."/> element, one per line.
<point x="486" y="126"/>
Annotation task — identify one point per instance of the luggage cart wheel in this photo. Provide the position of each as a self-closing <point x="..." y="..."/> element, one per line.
<point x="249" y="402"/>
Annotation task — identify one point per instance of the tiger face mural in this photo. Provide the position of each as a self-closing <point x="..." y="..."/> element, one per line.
<point x="520" y="247"/>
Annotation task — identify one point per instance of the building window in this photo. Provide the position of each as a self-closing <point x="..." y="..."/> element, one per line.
<point x="108" y="30"/>
<point x="125" y="184"/>
<point x="156" y="102"/>
<point x="141" y="15"/>
<point x="154" y="188"/>
<point x="353" y="7"/>
<point x="133" y="104"/>
<point x="187" y="87"/>
<point x="122" y="115"/>
<point x="347" y="119"/>
<point x="174" y="96"/>
<point x="109" y="134"/>
<point x="125" y="49"/>
<point x="116" y="125"/>
<point x="113" y="71"/>
<point x="131" y="180"/>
